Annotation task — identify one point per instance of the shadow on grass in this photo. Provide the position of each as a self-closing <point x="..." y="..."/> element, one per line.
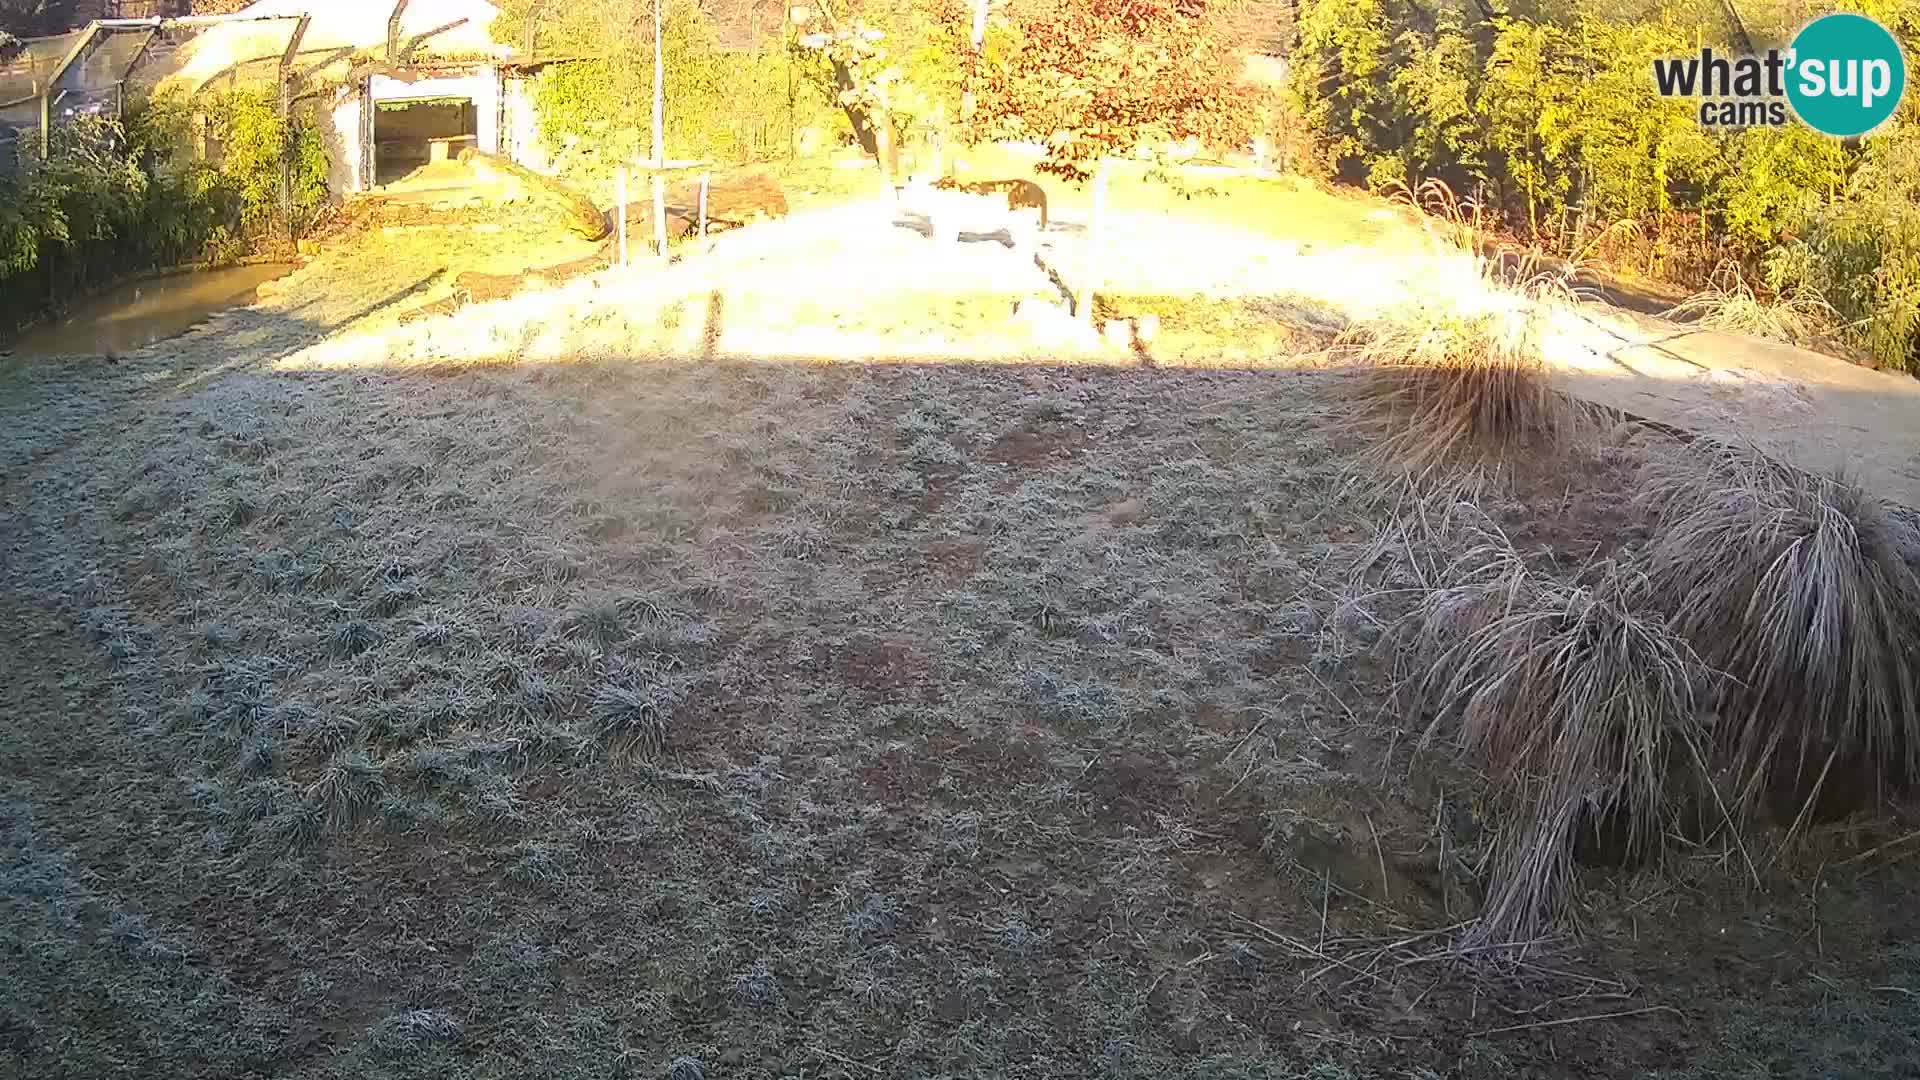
<point x="957" y="786"/>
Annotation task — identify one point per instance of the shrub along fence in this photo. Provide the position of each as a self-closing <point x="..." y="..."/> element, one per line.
<point x="112" y="196"/>
<point x="1554" y="125"/>
<point x="735" y="94"/>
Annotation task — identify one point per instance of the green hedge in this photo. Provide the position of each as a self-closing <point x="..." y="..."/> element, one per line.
<point x="727" y="105"/>
<point x="723" y="104"/>
<point x="1554" y="123"/>
<point x="115" y="197"/>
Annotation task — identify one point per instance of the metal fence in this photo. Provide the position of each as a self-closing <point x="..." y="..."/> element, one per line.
<point x="69" y="74"/>
<point x="98" y="69"/>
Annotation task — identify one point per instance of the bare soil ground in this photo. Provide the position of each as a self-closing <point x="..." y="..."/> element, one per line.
<point x="599" y="678"/>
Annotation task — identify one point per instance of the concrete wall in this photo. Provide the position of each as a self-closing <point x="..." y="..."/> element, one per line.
<point x="343" y="135"/>
<point x="521" y="137"/>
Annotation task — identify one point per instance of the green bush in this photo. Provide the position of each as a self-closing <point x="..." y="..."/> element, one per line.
<point x="253" y="137"/>
<point x="1860" y="251"/>
<point x="116" y="196"/>
<point x="1555" y="125"/>
<point x="61" y="216"/>
<point x="1537" y="116"/>
<point x="728" y="105"/>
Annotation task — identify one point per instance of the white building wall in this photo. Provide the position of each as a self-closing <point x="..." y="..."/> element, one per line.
<point x="505" y="120"/>
<point x="345" y="163"/>
<point x="522" y="135"/>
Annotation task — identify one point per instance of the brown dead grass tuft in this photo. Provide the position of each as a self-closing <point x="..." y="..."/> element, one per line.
<point x="1579" y="703"/>
<point x="1802" y="589"/>
<point x="1729" y="303"/>
<point x="1445" y="387"/>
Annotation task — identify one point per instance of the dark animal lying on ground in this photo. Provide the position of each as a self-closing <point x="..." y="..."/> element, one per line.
<point x="1021" y="194"/>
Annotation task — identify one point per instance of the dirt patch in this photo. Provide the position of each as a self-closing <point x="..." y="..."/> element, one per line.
<point x="993" y="764"/>
<point x="1130" y="787"/>
<point x="1026" y="448"/>
<point x="901" y="777"/>
<point x="885" y="671"/>
<point x="1130" y="512"/>
<point x="954" y="560"/>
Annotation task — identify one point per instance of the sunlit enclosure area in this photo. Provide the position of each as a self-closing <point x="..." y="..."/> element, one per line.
<point x="881" y="539"/>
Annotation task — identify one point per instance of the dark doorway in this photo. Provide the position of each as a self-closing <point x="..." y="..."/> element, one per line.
<point x="408" y="134"/>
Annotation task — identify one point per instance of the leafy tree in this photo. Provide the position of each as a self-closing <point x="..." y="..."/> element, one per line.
<point x="1341" y="69"/>
<point x="1860" y="251"/>
<point x="728" y="104"/>
<point x="1096" y="78"/>
<point x="255" y="136"/>
<point x="1529" y="100"/>
<point x="1635" y="147"/>
<point x="31" y="18"/>
<point x="1437" y="129"/>
<point x="1776" y="179"/>
<point x="896" y="68"/>
<point x="849" y="64"/>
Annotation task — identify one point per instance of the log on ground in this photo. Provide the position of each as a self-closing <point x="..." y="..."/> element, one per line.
<point x="583" y="218"/>
<point x="474" y="286"/>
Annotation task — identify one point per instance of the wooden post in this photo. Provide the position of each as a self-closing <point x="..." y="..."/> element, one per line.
<point x="393" y="31"/>
<point x="659" y="214"/>
<point x="786" y="33"/>
<point x="659" y="93"/>
<point x="1083" y="304"/>
<point x="534" y="14"/>
<point x="979" y="40"/>
<point x="621" y="196"/>
<point x="286" y="122"/>
<point x="53" y="83"/>
<point x="659" y="136"/>
<point x="705" y="178"/>
<point x="883" y="138"/>
<point x="369" y="150"/>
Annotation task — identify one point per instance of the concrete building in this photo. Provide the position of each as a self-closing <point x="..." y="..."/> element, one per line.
<point x="393" y="83"/>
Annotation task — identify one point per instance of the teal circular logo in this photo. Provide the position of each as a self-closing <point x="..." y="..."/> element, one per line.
<point x="1845" y="74"/>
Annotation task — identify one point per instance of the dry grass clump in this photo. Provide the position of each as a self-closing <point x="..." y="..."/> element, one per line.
<point x="1442" y="386"/>
<point x="634" y="713"/>
<point x="1581" y="706"/>
<point x="1466" y="223"/>
<point x="1463" y="376"/>
<point x="348" y="789"/>
<point x="1760" y="653"/>
<point x="1729" y="303"/>
<point x="1802" y="589"/>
